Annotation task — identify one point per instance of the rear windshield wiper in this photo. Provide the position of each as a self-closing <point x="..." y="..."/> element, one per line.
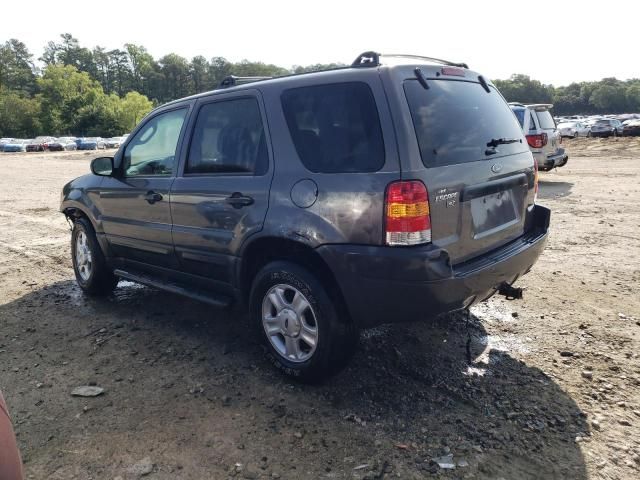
<point x="502" y="141"/>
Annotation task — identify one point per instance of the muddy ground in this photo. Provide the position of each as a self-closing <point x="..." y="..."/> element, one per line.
<point x="552" y="392"/>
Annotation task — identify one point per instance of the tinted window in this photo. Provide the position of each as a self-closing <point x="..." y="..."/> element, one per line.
<point x="153" y="149"/>
<point x="454" y="121"/>
<point x="335" y="128"/>
<point x="519" y="115"/>
<point x="229" y="138"/>
<point x="546" y="120"/>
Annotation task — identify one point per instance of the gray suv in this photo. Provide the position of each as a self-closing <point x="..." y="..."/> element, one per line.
<point x="392" y="190"/>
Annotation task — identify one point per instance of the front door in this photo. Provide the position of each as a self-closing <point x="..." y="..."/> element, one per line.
<point x="222" y="195"/>
<point x="135" y="205"/>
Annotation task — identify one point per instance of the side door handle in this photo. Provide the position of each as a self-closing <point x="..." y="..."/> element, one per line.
<point x="237" y="200"/>
<point x="152" y="197"/>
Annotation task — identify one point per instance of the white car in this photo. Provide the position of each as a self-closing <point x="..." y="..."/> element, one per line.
<point x="573" y="129"/>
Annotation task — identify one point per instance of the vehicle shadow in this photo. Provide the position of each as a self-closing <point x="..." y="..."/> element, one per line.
<point x="175" y="371"/>
<point x="554" y="189"/>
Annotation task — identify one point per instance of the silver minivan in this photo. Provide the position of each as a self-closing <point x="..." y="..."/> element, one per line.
<point x="542" y="135"/>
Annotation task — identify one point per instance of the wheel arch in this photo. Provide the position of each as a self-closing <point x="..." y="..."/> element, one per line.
<point x="267" y="249"/>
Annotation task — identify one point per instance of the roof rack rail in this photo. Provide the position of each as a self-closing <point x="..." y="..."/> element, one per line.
<point x="232" y="81"/>
<point x="431" y="59"/>
<point x="372" y="59"/>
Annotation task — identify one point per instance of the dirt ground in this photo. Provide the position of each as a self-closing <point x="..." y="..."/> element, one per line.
<point x="552" y="391"/>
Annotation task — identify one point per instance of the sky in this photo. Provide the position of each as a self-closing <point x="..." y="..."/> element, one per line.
<point x="556" y="42"/>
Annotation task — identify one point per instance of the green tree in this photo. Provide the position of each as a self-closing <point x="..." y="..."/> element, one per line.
<point x="521" y="88"/>
<point x="200" y="74"/>
<point x="16" y="67"/>
<point x="19" y="115"/>
<point x="633" y="97"/>
<point x="609" y="97"/>
<point x="65" y="93"/>
<point x="133" y="107"/>
<point x="176" y="77"/>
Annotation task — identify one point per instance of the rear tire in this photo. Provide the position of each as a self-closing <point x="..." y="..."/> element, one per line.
<point x="308" y="339"/>
<point x="92" y="273"/>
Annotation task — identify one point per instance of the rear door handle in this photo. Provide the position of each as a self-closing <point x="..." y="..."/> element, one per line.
<point x="237" y="200"/>
<point x="152" y="197"/>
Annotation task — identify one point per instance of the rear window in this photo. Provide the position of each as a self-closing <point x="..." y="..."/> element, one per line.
<point x="335" y="128"/>
<point x="455" y="120"/>
<point x="546" y="120"/>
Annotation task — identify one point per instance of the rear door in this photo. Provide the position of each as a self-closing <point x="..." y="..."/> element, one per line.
<point x="222" y="194"/>
<point x="135" y="209"/>
<point x="467" y="146"/>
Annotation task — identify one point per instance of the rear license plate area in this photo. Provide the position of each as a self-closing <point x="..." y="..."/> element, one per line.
<point x="493" y="213"/>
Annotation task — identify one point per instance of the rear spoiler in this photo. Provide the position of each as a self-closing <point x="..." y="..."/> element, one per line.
<point x="540" y="107"/>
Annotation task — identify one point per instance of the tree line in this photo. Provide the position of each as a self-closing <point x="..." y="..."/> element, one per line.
<point x="608" y="95"/>
<point x="103" y="92"/>
<point x="106" y="92"/>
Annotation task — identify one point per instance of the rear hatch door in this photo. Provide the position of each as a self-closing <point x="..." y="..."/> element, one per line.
<point x="473" y="157"/>
<point x="548" y="125"/>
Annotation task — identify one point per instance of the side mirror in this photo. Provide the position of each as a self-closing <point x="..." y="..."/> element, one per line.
<point x="102" y="166"/>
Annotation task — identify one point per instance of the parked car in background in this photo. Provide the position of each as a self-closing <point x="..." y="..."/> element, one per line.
<point x="631" y="128"/>
<point x="542" y="135"/>
<point x="113" y="142"/>
<point x="606" y="127"/>
<point x="573" y="129"/>
<point x="63" y="143"/>
<point x="16" y="145"/>
<point x="344" y="231"/>
<point x="4" y="141"/>
<point x="91" y="143"/>
<point x="40" y="144"/>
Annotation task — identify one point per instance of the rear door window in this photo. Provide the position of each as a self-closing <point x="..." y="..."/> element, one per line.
<point x="335" y="128"/>
<point x="546" y="120"/>
<point x="455" y="120"/>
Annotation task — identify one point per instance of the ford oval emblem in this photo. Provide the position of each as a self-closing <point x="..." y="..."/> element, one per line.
<point x="496" y="168"/>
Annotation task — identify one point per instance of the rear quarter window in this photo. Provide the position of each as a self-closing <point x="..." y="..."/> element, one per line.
<point x="335" y="128"/>
<point x="455" y="120"/>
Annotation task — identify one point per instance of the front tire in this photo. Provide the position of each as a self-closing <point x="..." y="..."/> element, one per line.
<point x="299" y="324"/>
<point x="92" y="273"/>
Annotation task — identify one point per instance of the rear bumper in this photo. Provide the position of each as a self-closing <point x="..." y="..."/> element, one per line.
<point x="559" y="159"/>
<point x="604" y="133"/>
<point x="391" y="284"/>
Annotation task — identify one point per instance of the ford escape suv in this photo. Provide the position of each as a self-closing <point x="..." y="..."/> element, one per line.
<point x="392" y="190"/>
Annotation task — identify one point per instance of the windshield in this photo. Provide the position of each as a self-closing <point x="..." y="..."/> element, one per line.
<point x="567" y="125"/>
<point x="455" y="121"/>
<point x="602" y="122"/>
<point x="546" y="120"/>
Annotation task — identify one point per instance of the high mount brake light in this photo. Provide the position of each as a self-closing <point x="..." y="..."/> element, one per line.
<point x="455" y="71"/>
<point x="408" y="221"/>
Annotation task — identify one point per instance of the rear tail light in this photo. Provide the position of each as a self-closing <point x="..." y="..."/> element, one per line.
<point x="535" y="180"/>
<point x="407" y="214"/>
<point x="537" y="141"/>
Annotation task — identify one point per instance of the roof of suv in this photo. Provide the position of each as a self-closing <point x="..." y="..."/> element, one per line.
<point x="365" y="60"/>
